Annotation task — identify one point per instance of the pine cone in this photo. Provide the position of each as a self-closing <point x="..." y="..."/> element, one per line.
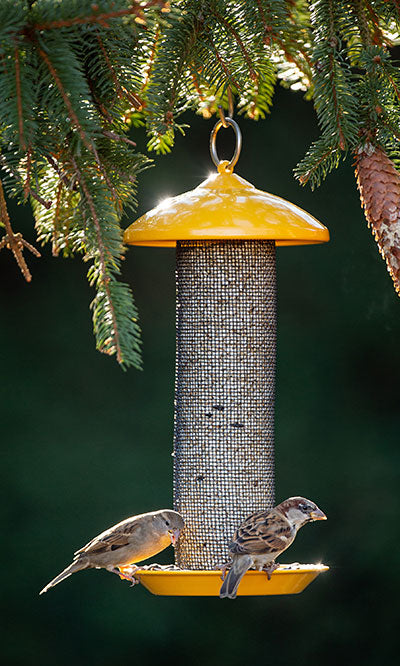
<point x="379" y="185"/>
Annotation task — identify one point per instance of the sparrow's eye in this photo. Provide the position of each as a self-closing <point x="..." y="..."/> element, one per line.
<point x="305" y="507"/>
<point x="167" y="523"/>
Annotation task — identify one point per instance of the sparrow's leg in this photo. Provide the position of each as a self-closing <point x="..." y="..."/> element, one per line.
<point x="128" y="573"/>
<point x="270" y="568"/>
<point x="123" y="573"/>
<point x="224" y="566"/>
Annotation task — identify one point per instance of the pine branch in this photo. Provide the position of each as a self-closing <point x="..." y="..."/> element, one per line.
<point x="104" y="279"/>
<point x="9" y="169"/>
<point x="67" y="102"/>
<point x="121" y="92"/>
<point x="224" y="66"/>
<point x="27" y="186"/>
<point x="150" y="65"/>
<point x="14" y="242"/>
<point x="231" y="28"/>
<point x="19" y="100"/>
<point x="103" y="19"/>
<point x="320" y="159"/>
<point x="54" y="245"/>
<point x="74" y="76"/>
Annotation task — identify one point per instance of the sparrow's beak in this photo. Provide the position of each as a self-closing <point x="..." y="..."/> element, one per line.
<point x="318" y="515"/>
<point x="174" y="536"/>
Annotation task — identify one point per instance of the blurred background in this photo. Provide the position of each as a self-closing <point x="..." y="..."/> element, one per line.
<point x="85" y="445"/>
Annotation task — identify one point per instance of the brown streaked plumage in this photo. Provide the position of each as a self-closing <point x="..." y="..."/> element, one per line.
<point x="132" y="540"/>
<point x="265" y="535"/>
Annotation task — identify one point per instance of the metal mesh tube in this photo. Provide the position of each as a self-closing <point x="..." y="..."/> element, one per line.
<point x="224" y="394"/>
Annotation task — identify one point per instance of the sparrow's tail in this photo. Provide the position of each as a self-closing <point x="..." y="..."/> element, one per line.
<point x="77" y="565"/>
<point x="231" y="583"/>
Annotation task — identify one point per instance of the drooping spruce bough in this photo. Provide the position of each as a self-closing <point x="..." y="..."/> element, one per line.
<point x="75" y="76"/>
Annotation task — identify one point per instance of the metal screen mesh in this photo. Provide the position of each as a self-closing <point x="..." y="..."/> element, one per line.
<point x="224" y="395"/>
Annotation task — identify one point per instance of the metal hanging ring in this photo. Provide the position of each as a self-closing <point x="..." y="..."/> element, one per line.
<point x="213" y="142"/>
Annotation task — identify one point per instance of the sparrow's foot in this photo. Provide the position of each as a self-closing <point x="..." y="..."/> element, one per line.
<point x="224" y="566"/>
<point x="270" y="568"/>
<point x="126" y="573"/>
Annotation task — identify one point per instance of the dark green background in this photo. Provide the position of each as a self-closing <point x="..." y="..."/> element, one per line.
<point x="85" y="445"/>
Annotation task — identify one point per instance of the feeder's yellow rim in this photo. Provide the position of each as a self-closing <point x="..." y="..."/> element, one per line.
<point x="225" y="207"/>
<point x="287" y="579"/>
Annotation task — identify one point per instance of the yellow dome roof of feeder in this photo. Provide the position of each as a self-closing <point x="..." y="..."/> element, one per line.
<point x="226" y="206"/>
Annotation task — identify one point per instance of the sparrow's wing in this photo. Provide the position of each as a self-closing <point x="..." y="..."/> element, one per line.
<point x="116" y="537"/>
<point x="263" y="532"/>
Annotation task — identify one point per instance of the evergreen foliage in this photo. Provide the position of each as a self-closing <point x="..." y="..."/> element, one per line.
<point x="75" y="75"/>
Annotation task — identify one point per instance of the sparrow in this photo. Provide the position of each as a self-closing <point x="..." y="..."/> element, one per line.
<point x="265" y="535"/>
<point x="132" y="540"/>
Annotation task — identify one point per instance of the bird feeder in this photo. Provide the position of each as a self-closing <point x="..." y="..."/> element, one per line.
<point x="225" y="232"/>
